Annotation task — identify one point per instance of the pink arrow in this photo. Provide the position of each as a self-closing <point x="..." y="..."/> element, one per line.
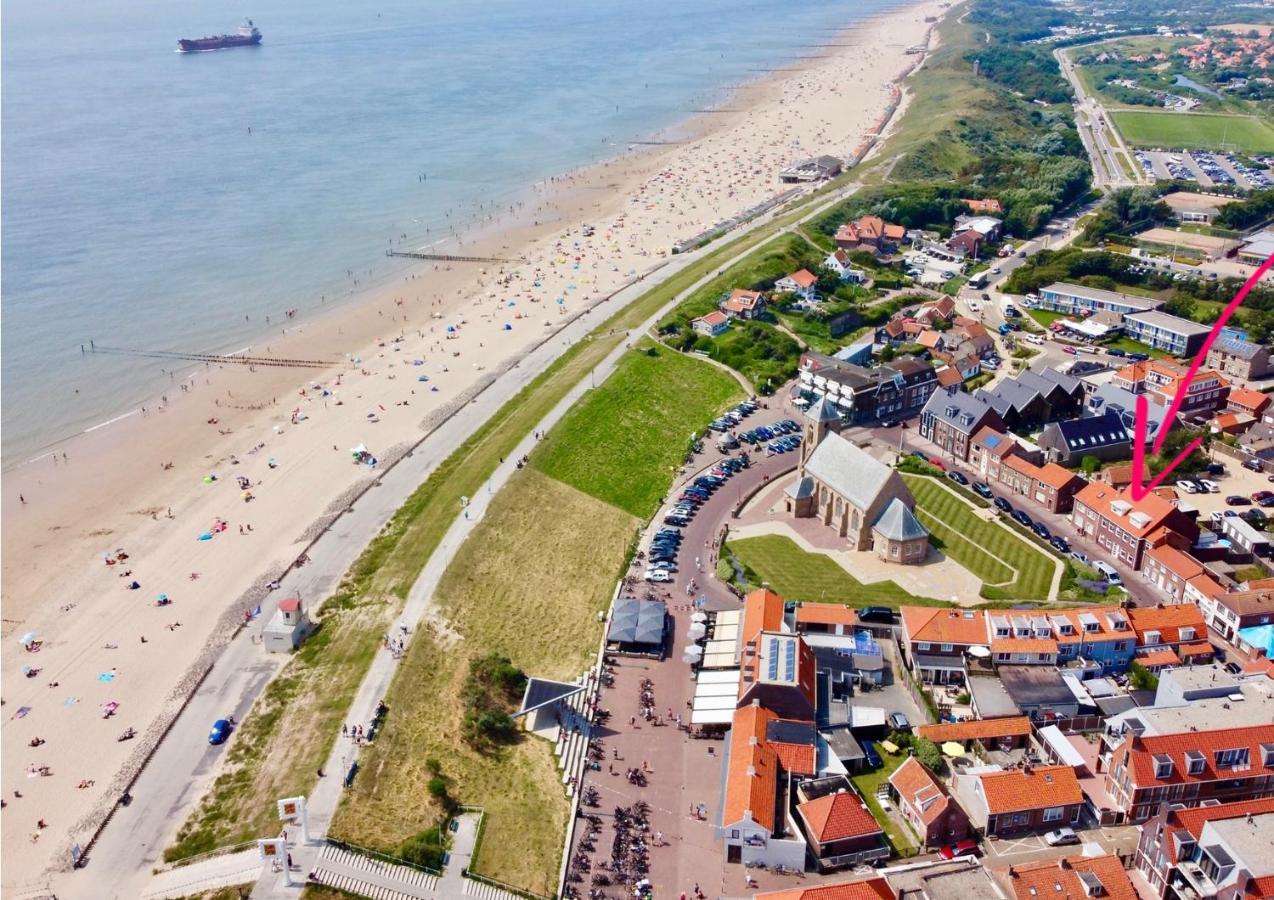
<point x="1139" y="488"/>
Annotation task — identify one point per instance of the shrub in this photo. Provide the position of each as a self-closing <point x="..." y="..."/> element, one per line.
<point x="1142" y="678"/>
<point x="425" y="849"/>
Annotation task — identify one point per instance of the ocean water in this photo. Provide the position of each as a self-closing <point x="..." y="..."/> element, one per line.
<point x="153" y="199"/>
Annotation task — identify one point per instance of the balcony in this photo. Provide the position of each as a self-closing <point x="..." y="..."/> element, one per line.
<point x="859" y="857"/>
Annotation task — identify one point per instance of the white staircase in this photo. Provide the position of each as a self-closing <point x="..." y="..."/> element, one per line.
<point x="357" y="874"/>
<point x="486" y="891"/>
<point x="572" y="747"/>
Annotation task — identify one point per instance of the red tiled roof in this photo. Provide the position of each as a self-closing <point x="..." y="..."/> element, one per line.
<point x="1041" y="787"/>
<point x="977" y="729"/>
<point x="1100" y="496"/>
<point x="920" y="790"/>
<point x="1048" y="879"/>
<point x="714" y="318"/>
<point x="1164" y="656"/>
<point x="826" y="614"/>
<point x="1167" y="620"/>
<point x="1248" y="399"/>
<point x="838" y="816"/>
<point x="1198" y="648"/>
<point x="875" y="888"/>
<point x="949" y="377"/>
<point x="1023" y="645"/>
<point x="945" y="626"/>
<point x="1206" y="585"/>
<point x="1176" y="562"/>
<point x="804" y="278"/>
<point x="762" y="611"/>
<point x="1193" y="819"/>
<point x="752" y="777"/>
<point x="1056" y="476"/>
<point x="1005" y="446"/>
<point x="1143" y="750"/>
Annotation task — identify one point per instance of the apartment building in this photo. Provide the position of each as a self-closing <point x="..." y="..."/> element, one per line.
<point x="1224" y="851"/>
<point x="1127" y="528"/>
<point x="951" y="418"/>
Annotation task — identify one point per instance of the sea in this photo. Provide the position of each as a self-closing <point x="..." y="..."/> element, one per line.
<point x="160" y="201"/>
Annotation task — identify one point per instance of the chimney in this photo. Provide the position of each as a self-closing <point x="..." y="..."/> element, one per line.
<point x="1063" y="863"/>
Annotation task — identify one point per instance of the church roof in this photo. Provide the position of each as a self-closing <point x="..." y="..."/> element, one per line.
<point x="801" y="488"/>
<point x="850" y="471"/>
<point x="823" y="411"/>
<point x="898" y="523"/>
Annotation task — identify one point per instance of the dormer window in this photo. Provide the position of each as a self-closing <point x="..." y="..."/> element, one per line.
<point x="1195" y="762"/>
<point x="1186" y="633"/>
<point x="1163" y="765"/>
<point x="1151" y="638"/>
<point x="1233" y="758"/>
<point x="1002" y="631"/>
<point x="1267" y="755"/>
<point x="1091" y="627"/>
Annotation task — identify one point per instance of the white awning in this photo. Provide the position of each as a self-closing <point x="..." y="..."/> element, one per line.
<point x="1063" y="749"/>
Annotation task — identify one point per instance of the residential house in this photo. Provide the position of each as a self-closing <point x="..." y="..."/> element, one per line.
<point x="1020" y="407"/>
<point x="825" y="618"/>
<point x="989" y="450"/>
<point x="1228" y="611"/>
<point x="1100" y="638"/>
<point x="1110" y="398"/>
<point x="1161" y="379"/>
<point x="950" y="376"/>
<point x="1071" y="877"/>
<point x="1076" y="299"/>
<point x="743" y="304"/>
<point x="838" y="261"/>
<point x="1019" y="801"/>
<point x="1191" y="767"/>
<point x="1170" y="570"/>
<point x="777" y="670"/>
<point x="839" y="827"/>
<point x="925" y="803"/>
<point x="1230" y="423"/>
<point x="951" y="418"/>
<point x="1002" y="733"/>
<point x="983" y="207"/>
<point x="803" y="283"/>
<point x="1050" y="485"/>
<point x="1223" y="851"/>
<point x="1164" y="331"/>
<point x="932" y="313"/>
<point x="870" y="233"/>
<point x="1178" y="629"/>
<point x="1245" y="538"/>
<point x="1239" y="358"/>
<point x="1258" y="441"/>
<point x="894" y="389"/>
<point x="935" y="641"/>
<point x="713" y="324"/>
<point x="874" y="888"/>
<point x="1127" y="528"/>
<point x="1100" y="436"/>
<point x="965" y="245"/>
<point x="988" y="227"/>
<point x="1247" y="401"/>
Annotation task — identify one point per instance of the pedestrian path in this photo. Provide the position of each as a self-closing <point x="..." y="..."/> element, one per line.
<point x="367" y="877"/>
<point x="211" y="874"/>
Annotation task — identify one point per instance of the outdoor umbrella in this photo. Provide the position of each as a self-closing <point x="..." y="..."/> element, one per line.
<point x="953" y="749"/>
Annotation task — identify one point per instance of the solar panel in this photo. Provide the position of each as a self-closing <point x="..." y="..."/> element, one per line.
<point x="773" y="667"/>
<point x="790" y="669"/>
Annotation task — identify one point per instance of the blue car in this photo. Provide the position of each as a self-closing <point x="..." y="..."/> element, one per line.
<point x="220" y="732"/>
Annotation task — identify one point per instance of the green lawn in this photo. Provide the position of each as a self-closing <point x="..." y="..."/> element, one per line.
<point x="1010" y="568"/>
<point x="1128" y="345"/>
<point x="1203" y="131"/>
<point x="623" y="440"/>
<point x="900" y="836"/>
<point x="1046" y="317"/>
<point x="800" y="575"/>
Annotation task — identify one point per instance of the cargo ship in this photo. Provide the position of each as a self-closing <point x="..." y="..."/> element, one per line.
<point x="249" y="36"/>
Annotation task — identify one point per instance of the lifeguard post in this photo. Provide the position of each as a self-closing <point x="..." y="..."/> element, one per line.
<point x="287" y="628"/>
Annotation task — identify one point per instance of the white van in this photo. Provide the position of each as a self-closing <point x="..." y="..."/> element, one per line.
<point x="1107" y="571"/>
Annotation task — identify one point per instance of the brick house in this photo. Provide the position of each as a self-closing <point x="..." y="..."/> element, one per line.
<point x="1020" y="801"/>
<point x="1239" y="358"/>
<point x="1127" y="528"/>
<point x="1225" y="764"/>
<point x="1071" y="877"/>
<point x="870" y="233"/>
<point x="1248" y="402"/>
<point x="935" y="640"/>
<point x="1227" y="612"/>
<point x="989" y="450"/>
<point x="950" y="420"/>
<point x="713" y="324"/>
<point x="1051" y="486"/>
<point x="1160" y="379"/>
<point x="839" y="827"/>
<point x="1175" y="851"/>
<point x="926" y="805"/>
<point x="1179" y="629"/>
<point x="743" y="304"/>
<point x="1170" y="570"/>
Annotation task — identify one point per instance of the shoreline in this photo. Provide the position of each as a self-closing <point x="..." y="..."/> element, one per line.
<point x="661" y="192"/>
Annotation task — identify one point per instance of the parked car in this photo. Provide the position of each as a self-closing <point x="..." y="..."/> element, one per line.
<point x="1021" y="518"/>
<point x="879" y="614"/>
<point x="1258" y="496"/>
<point x="957" y="477"/>
<point x="1255" y="465"/>
<point x="1060" y="837"/>
<point x="1216" y="469"/>
<point x="958" y="849"/>
<point x="898" y="722"/>
<point x="1115" y="351"/>
<point x="1079" y="556"/>
<point x="1107" y="571"/>
<point x="1188" y="486"/>
<point x="220" y="731"/>
<point x="1138" y="357"/>
<point x="1002" y="504"/>
<point x="1237" y="500"/>
<point x="1210" y="486"/>
<point x="658" y="575"/>
<point x="920" y="456"/>
<point x="1041" y="530"/>
<point x="1060" y="543"/>
<point x="982" y="489"/>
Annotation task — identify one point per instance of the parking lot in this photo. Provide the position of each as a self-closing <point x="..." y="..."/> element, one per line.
<point x="1205" y="168"/>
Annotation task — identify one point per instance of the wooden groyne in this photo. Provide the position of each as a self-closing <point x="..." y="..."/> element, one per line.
<point x="450" y="257"/>
<point x="218" y="358"/>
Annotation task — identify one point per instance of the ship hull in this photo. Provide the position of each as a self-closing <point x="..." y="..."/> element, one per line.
<point x="225" y="42"/>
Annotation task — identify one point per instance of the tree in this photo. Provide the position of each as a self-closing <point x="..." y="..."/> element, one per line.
<point x="1089" y="465"/>
<point x="1142" y="678"/>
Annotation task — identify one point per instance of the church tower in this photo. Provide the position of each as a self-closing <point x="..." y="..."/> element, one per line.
<point x="819" y="418"/>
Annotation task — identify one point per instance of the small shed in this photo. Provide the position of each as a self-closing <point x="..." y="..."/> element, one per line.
<point x="287" y="628"/>
<point x="638" y="627"/>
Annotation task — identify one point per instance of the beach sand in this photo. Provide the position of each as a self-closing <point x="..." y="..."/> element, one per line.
<point x="141" y="484"/>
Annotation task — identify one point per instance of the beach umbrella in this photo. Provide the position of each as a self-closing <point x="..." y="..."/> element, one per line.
<point x="699" y="617"/>
<point x="953" y="749"/>
<point x="508" y="327"/>
<point x="693" y="650"/>
<point x="696" y="631"/>
<point x="27" y="639"/>
<point x="206" y="536"/>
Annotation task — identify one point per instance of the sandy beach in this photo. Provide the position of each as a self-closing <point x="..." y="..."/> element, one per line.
<point x="220" y="482"/>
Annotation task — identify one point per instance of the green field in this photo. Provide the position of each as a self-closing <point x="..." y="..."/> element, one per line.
<point x="1203" y="131"/>
<point x="800" y="575"/>
<point x="622" y="441"/>
<point x="1009" y="567"/>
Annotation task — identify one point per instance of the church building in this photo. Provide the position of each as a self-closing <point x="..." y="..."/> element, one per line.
<point x="849" y="490"/>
